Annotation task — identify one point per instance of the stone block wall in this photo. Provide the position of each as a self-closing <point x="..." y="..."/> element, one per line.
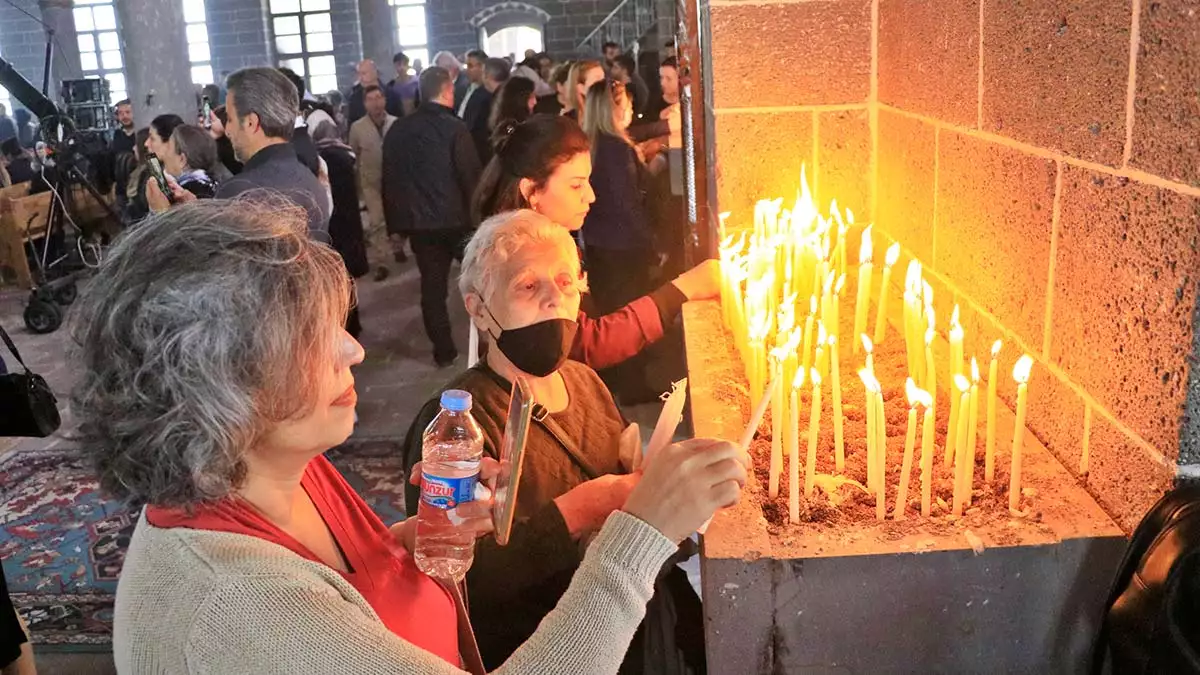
<point x="1044" y="165"/>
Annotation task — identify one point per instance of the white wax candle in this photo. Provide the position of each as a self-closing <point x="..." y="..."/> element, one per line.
<point x="814" y="426"/>
<point x="1021" y="375"/>
<point x="893" y="254"/>
<point x="989" y="457"/>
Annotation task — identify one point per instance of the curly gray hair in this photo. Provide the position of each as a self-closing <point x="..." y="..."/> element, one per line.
<point x="499" y="237"/>
<point x="205" y="326"/>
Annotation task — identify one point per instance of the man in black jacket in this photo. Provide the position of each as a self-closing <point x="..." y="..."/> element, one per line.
<point x="478" y="110"/>
<point x="430" y="169"/>
<point x="262" y="105"/>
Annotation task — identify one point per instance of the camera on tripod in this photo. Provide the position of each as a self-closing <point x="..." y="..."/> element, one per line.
<point x="72" y="148"/>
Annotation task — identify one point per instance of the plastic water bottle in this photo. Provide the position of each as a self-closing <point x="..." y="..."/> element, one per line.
<point x="451" y="449"/>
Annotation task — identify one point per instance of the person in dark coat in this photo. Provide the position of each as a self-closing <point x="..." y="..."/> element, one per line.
<point x="430" y="170"/>
<point x="368" y="76"/>
<point x="476" y="110"/>
<point x="345" y="225"/>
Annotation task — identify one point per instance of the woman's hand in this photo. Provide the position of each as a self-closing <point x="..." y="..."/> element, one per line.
<point x="701" y="282"/>
<point x="158" y="202"/>
<point x="476" y="515"/>
<point x="684" y="484"/>
<point x="586" y="506"/>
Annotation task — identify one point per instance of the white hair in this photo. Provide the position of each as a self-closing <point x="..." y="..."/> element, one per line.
<point x="448" y="61"/>
<point x="502" y="235"/>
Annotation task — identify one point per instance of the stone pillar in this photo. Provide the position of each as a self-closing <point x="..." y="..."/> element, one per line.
<point x="378" y="38"/>
<point x="157" y="68"/>
<point x="58" y="17"/>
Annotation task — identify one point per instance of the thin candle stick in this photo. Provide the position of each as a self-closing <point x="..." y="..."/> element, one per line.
<point x="839" y="441"/>
<point x="756" y="418"/>
<point x="814" y="426"/>
<point x="893" y="254"/>
<point x="989" y="457"/>
<point x="1021" y="374"/>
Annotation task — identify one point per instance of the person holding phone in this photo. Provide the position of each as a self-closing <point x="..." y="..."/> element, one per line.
<point x="189" y="165"/>
<point x="223" y="318"/>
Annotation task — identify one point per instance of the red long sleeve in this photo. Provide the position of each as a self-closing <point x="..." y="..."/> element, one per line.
<point x="613" y="338"/>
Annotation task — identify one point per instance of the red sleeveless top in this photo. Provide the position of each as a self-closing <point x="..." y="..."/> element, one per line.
<point x="411" y="605"/>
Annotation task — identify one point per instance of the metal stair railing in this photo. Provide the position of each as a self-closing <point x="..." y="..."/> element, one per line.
<point x="625" y="25"/>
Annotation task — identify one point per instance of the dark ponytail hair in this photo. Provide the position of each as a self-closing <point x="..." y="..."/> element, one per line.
<point x="532" y="149"/>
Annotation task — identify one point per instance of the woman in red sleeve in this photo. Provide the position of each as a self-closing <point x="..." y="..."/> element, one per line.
<point x="545" y="164"/>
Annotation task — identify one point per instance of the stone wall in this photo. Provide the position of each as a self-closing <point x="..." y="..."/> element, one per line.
<point x="1044" y="166"/>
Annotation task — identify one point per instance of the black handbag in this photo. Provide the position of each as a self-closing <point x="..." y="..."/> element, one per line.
<point x="1152" y="623"/>
<point x="27" y="406"/>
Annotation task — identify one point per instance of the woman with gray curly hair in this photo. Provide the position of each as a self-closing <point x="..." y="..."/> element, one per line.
<point x="215" y="374"/>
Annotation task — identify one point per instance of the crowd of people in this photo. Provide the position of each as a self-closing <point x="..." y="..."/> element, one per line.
<point x="217" y="338"/>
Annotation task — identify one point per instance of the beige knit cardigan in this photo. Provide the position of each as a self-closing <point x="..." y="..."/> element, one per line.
<point x="198" y="601"/>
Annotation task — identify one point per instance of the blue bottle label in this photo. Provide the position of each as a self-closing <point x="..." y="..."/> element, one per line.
<point x="446" y="493"/>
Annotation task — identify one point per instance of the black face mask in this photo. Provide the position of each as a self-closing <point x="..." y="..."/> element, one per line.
<point x="538" y="349"/>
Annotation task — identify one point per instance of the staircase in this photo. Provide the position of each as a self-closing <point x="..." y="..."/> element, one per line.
<point x="626" y="25"/>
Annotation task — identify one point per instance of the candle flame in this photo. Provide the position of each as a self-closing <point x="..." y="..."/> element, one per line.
<point x="867" y="345"/>
<point x="929" y="336"/>
<point x="930" y="317"/>
<point x="893" y="254"/>
<point x="798" y="380"/>
<point x="1022" y="369"/>
<point x="812" y="305"/>
<point x="954" y="317"/>
<point x="924" y="398"/>
<point x="864" y="251"/>
<point x="963" y="384"/>
<point x="912" y="278"/>
<point x="849" y="216"/>
<point x="911" y="391"/>
<point x="974" y="370"/>
<point x="832" y="341"/>
<point x="816" y="378"/>
<point x="840" y="282"/>
<point x="996" y="349"/>
<point x="928" y="292"/>
<point x="821" y="334"/>
<point x="869" y="381"/>
<point x="829" y="283"/>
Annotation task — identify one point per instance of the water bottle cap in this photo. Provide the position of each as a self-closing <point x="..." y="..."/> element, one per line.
<point x="456" y="400"/>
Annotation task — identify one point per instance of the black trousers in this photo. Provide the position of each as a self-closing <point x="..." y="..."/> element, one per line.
<point x="435" y="251"/>
<point x="12" y="636"/>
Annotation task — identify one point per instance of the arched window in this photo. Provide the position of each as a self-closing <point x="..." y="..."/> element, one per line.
<point x="509" y="28"/>
<point x="513" y="40"/>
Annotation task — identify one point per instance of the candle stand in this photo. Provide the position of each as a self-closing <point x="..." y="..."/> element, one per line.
<point x="841" y="591"/>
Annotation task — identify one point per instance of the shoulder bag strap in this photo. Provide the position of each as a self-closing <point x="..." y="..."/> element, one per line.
<point x="12" y="348"/>
<point x="542" y="417"/>
<point x="468" y="648"/>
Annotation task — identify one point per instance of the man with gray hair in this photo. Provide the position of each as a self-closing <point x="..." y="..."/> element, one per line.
<point x="262" y="105"/>
<point x="430" y="170"/>
<point x="452" y="65"/>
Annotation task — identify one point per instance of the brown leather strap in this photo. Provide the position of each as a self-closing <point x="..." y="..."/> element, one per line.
<point x="468" y="648"/>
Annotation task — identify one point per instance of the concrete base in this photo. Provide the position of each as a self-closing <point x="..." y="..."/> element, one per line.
<point x="1006" y="595"/>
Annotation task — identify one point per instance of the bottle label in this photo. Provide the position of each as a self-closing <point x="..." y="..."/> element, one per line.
<point x="445" y="493"/>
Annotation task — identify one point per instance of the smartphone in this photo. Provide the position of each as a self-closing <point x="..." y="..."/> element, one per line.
<point x="160" y="177"/>
<point x="206" y="113"/>
<point x="512" y="456"/>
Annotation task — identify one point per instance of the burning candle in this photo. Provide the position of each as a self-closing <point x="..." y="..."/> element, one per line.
<point x="756" y="418"/>
<point x="893" y="254"/>
<point x="1021" y="374"/>
<point x="869" y="406"/>
<point x="869" y="348"/>
<point x="880" y="455"/>
<point x="793" y="450"/>
<point x="839" y="447"/>
<point x="956" y="345"/>
<point x="814" y="426"/>
<point x="864" y="285"/>
<point x="910" y="440"/>
<point x="989" y="456"/>
<point x="927" y="449"/>
<point x="972" y="434"/>
<point x="806" y="355"/>
<point x="960" y="461"/>
<point x="819" y="361"/>
<point x="777" y="419"/>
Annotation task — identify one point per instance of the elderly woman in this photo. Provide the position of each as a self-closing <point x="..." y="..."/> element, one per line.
<point x="521" y="285"/>
<point x="214" y="375"/>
